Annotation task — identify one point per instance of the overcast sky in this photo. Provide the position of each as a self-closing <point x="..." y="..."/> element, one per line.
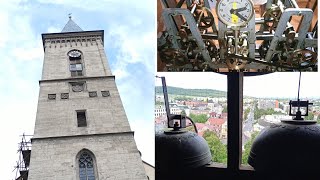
<point x="281" y="85"/>
<point x="129" y="28"/>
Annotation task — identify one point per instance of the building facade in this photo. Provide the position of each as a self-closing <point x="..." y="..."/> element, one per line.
<point x="81" y="130"/>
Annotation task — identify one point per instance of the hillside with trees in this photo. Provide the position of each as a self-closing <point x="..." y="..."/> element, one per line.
<point x="191" y="92"/>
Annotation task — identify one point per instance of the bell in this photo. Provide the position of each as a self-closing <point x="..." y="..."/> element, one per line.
<point x="178" y="151"/>
<point x="290" y="148"/>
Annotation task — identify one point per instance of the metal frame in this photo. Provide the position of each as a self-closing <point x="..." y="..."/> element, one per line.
<point x="288" y="9"/>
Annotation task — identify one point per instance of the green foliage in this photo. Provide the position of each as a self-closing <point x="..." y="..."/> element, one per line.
<point x="217" y="149"/>
<point x="310" y="116"/>
<point x="158" y="103"/>
<point x="201" y="118"/>
<point x="191" y="92"/>
<point x="225" y="109"/>
<point x="183" y="112"/>
<point x="247" y="148"/>
<point x="260" y="112"/>
<point x="182" y="98"/>
<point x="246" y="112"/>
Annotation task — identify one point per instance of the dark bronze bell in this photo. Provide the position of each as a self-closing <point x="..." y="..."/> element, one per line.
<point x="290" y="148"/>
<point x="178" y="151"/>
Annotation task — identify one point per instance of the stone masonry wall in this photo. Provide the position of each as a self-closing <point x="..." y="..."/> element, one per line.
<point x="58" y="117"/>
<point x="116" y="157"/>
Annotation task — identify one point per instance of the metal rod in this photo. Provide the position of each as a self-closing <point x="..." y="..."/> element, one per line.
<point x="165" y="95"/>
<point x="299" y="92"/>
<point x="299" y="85"/>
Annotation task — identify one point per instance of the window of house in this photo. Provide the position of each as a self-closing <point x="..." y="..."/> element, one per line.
<point x="86" y="166"/>
<point x="81" y="118"/>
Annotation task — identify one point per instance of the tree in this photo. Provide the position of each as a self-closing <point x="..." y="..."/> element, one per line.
<point x="246" y="112"/>
<point x="225" y="109"/>
<point x="247" y="148"/>
<point x="310" y="116"/>
<point x="200" y="118"/>
<point x="183" y="112"/>
<point x="217" y="149"/>
<point x="260" y="112"/>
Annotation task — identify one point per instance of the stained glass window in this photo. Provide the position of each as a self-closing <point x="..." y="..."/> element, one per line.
<point x="86" y="167"/>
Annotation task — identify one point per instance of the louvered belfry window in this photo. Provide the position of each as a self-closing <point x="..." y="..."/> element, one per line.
<point x="86" y="167"/>
<point x="81" y="118"/>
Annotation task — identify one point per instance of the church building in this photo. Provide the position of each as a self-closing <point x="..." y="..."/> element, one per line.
<point x="81" y="129"/>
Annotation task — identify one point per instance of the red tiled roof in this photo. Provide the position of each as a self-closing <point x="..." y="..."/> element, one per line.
<point x="216" y="121"/>
<point x="200" y="125"/>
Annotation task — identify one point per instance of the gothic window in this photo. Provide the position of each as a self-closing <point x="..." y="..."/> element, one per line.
<point x="86" y="167"/>
<point x="81" y="118"/>
<point x="76" y="65"/>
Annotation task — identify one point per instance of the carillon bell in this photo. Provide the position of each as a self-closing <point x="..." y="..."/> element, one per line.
<point x="290" y="148"/>
<point x="178" y="150"/>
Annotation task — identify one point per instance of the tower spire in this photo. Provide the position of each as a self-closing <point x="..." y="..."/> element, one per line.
<point x="71" y="26"/>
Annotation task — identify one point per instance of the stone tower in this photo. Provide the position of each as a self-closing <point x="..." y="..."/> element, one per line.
<point x="81" y="130"/>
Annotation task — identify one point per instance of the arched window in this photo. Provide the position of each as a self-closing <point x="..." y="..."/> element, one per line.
<point x="86" y="166"/>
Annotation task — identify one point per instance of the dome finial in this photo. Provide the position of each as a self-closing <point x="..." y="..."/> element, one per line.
<point x="70" y="15"/>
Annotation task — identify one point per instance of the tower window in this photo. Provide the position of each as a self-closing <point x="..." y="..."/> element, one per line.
<point x="105" y="93"/>
<point x="75" y="60"/>
<point x="86" y="167"/>
<point x="81" y="118"/>
<point x="64" y="95"/>
<point x="93" y="94"/>
<point x="51" y="96"/>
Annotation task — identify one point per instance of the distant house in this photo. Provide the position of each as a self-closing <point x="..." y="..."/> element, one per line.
<point x="212" y="114"/>
<point x="218" y="125"/>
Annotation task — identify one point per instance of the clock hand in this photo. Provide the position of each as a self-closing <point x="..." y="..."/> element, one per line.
<point x="240" y="16"/>
<point x="240" y="9"/>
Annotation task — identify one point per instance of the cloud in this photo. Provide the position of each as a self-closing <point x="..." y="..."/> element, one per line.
<point x="145" y="139"/>
<point x="53" y="29"/>
<point x="129" y="42"/>
<point x="136" y="47"/>
<point x="110" y="6"/>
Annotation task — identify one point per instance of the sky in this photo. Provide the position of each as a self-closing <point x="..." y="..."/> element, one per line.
<point x="273" y="85"/>
<point x="130" y="33"/>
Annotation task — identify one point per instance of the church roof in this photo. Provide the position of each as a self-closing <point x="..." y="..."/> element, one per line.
<point x="71" y="26"/>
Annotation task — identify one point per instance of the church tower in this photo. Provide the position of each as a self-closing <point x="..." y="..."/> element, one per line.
<point x="81" y="130"/>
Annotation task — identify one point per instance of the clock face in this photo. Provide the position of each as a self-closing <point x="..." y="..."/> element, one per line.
<point x="74" y="53"/>
<point x="235" y="12"/>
